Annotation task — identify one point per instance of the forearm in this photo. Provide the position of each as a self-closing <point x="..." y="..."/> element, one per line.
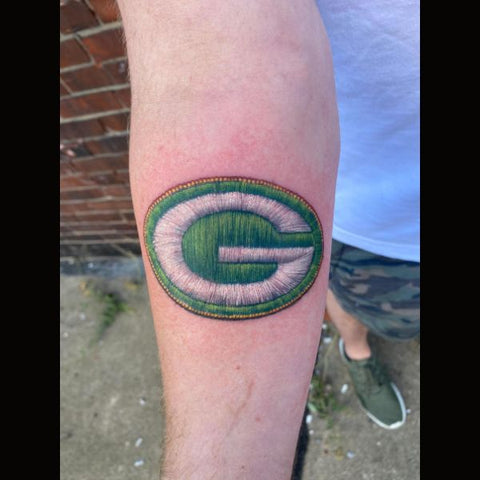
<point x="232" y="89"/>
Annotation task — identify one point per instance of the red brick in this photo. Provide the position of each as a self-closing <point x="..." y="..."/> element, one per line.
<point x="70" y="236"/>
<point x="118" y="71"/>
<point x="80" y="229"/>
<point x="107" y="10"/>
<point x="101" y="164"/>
<point x="95" y="206"/>
<point x="84" y="193"/>
<point x="90" y="103"/>
<point x="126" y="234"/>
<point x="86" y="78"/>
<point x="73" y="150"/>
<point x="66" y="167"/>
<point x="115" y="123"/>
<point x="108" y="145"/>
<point x="107" y="178"/>
<point x="100" y="226"/>
<point x="129" y="216"/>
<point x="96" y="217"/>
<point x="87" y="128"/>
<point x="70" y="208"/>
<point x="75" y="181"/>
<point x="123" y="177"/>
<point x="71" y="53"/>
<point x="110" y="205"/>
<point x="110" y="178"/>
<point x="116" y="191"/>
<point x="65" y="219"/>
<point x="75" y="15"/>
<point x="73" y="237"/>
<point x="105" y="45"/>
<point x="65" y="228"/>
<point x="124" y="96"/>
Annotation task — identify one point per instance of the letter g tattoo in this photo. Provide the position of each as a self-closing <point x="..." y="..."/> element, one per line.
<point x="233" y="248"/>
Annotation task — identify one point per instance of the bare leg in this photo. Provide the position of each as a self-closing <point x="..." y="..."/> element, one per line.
<point x="354" y="333"/>
<point x="384" y="404"/>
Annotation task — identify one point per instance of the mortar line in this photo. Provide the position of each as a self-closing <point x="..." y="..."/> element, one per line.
<point x="93" y="116"/>
<point x="86" y="187"/>
<point x="103" y="241"/>
<point x="90" y="6"/>
<point x="114" y="60"/>
<point x="113" y="134"/>
<point x="86" y="32"/>
<point x="106" y="88"/>
<point x="96" y="200"/>
<point x="94" y="223"/>
<point x="77" y="66"/>
<point x="99" y="231"/>
<point x="106" y="212"/>
<point x="66" y="87"/>
<point x="102" y="155"/>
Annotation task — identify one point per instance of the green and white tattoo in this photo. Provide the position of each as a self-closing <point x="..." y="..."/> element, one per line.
<point x="233" y="248"/>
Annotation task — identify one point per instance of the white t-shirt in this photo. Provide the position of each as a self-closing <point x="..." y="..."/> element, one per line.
<point x="375" y="49"/>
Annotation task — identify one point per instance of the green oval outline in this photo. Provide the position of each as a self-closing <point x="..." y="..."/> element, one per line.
<point x="201" y="187"/>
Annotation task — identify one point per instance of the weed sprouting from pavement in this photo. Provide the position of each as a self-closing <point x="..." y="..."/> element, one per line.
<point x="322" y="400"/>
<point x="112" y="306"/>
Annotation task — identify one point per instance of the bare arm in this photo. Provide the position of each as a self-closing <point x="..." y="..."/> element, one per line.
<point x="229" y="91"/>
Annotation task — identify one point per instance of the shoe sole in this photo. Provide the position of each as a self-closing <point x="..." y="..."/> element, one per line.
<point x="372" y="417"/>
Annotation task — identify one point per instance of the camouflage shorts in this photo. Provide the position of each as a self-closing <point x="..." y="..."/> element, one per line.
<point x="383" y="293"/>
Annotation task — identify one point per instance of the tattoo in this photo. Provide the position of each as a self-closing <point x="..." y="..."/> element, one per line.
<point x="233" y="248"/>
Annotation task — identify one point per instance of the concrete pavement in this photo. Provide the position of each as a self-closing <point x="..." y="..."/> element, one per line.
<point x="111" y="420"/>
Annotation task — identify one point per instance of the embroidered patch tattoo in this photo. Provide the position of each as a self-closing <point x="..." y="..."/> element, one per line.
<point x="233" y="248"/>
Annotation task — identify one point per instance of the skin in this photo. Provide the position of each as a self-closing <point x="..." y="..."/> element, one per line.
<point x="353" y="332"/>
<point x="241" y="88"/>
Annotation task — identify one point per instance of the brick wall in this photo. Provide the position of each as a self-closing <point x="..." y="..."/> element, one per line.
<point x="96" y="213"/>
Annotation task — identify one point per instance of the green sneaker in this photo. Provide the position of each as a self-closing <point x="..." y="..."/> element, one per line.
<point x="379" y="397"/>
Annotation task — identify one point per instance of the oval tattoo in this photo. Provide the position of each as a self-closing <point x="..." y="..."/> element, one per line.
<point x="233" y="248"/>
